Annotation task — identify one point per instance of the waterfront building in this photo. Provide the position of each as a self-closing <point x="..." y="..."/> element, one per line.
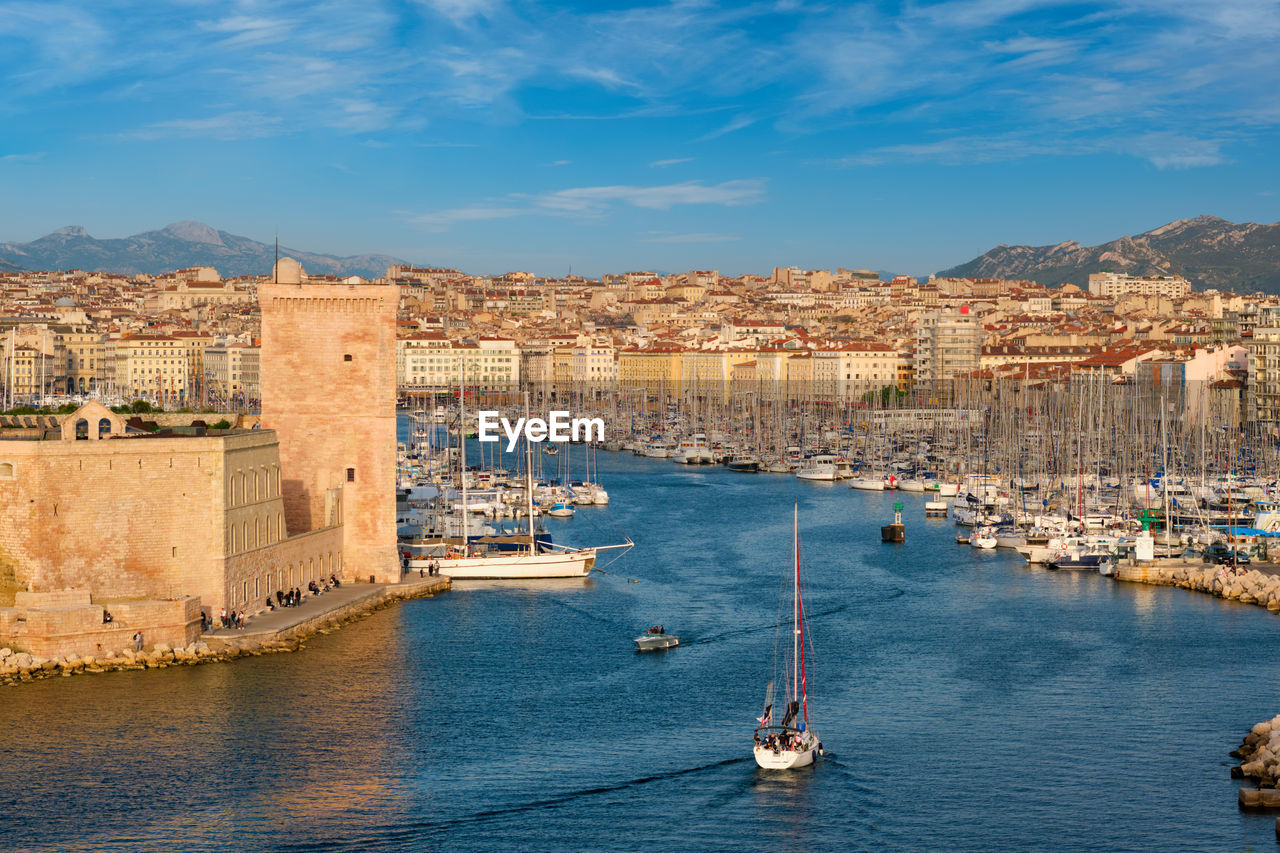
<point x="657" y="367"/>
<point x="233" y="373"/>
<point x="149" y="367"/>
<point x="428" y="360"/>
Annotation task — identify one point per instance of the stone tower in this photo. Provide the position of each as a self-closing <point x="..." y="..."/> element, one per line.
<point x="329" y="392"/>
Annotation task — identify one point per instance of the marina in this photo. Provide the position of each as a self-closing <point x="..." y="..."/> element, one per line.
<point x="927" y="658"/>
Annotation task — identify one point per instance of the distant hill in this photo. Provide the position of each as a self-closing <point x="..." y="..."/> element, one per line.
<point x="1208" y="251"/>
<point x="176" y="246"/>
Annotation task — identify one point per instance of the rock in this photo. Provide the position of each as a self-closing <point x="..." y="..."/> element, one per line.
<point x="1252" y="769"/>
<point x="22" y="660"/>
<point x="160" y="648"/>
<point x="49" y="665"/>
<point x="5" y="652"/>
<point x="1261" y="729"/>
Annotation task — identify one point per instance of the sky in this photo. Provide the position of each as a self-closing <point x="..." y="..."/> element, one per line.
<point x="605" y="137"/>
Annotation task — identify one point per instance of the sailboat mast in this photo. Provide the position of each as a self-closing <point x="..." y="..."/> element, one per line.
<point x="528" y="481"/>
<point x="462" y="446"/>
<point x="795" y="605"/>
<point x="804" y="688"/>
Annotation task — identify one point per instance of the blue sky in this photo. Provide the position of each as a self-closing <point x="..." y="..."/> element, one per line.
<point x="611" y="136"/>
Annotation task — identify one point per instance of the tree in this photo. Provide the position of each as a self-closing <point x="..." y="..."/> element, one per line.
<point x="222" y="424"/>
<point x="141" y="407"/>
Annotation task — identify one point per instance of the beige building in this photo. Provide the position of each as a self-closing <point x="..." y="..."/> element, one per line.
<point x="232" y="374"/>
<point x="1112" y="285"/>
<point x="148" y="367"/>
<point x="433" y="361"/>
<point x="595" y="365"/>
<point x="948" y="343"/>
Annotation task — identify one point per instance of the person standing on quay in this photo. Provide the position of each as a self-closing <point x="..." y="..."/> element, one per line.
<point x="137" y="641"/>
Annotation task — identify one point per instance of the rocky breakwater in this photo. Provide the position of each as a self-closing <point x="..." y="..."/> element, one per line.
<point x="1259" y="757"/>
<point x="18" y="667"/>
<point x="1246" y="587"/>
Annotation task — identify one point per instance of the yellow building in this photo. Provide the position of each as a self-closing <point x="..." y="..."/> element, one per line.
<point x="654" y="368"/>
<point x="83" y="353"/>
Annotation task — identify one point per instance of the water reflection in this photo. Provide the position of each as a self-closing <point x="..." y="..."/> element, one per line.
<point x="515" y="715"/>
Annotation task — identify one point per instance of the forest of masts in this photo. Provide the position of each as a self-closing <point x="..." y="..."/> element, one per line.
<point x="1090" y="428"/>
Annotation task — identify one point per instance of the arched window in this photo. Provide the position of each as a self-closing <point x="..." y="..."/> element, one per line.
<point x="82" y="430"/>
<point x="7" y="471"/>
<point x="234" y="543"/>
<point x="104" y="427"/>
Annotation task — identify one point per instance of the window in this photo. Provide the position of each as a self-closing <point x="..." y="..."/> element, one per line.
<point x="346" y="357"/>
<point x="351" y="475"/>
<point x="6" y="471"/>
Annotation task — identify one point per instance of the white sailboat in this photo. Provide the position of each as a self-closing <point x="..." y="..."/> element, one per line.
<point x="536" y="560"/>
<point x="791" y="743"/>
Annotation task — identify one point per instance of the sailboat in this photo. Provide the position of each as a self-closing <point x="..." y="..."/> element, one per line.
<point x="791" y="743"/>
<point x="536" y="559"/>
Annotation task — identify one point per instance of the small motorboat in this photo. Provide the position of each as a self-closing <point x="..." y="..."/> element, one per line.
<point x="561" y="509"/>
<point x="656" y="639"/>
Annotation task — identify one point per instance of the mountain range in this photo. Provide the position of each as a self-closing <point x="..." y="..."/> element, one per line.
<point x="1207" y="251"/>
<point x="176" y="246"/>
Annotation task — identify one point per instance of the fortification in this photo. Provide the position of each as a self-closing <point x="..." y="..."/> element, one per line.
<point x="329" y="392"/>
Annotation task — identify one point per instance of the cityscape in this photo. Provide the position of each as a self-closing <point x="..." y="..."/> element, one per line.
<point x="678" y="425"/>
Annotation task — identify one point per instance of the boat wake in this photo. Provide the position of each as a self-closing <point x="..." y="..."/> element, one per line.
<point x="399" y="836"/>
<point x="893" y="593"/>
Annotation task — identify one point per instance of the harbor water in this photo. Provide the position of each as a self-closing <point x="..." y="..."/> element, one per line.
<point x="965" y="702"/>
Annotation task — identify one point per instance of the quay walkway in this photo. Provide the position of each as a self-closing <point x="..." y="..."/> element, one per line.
<point x="286" y="623"/>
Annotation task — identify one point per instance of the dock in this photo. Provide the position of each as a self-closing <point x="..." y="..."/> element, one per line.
<point x="315" y="612"/>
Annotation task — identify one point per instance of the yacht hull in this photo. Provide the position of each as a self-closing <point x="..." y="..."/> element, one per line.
<point x="787" y="759"/>
<point x="571" y="564"/>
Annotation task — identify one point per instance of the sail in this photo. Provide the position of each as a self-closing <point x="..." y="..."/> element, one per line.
<point x="793" y="708"/>
<point x="766" y="718"/>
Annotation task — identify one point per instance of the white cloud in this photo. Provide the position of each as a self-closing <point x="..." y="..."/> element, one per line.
<point x="462" y="11"/>
<point x="225" y="127"/>
<point x="596" y="201"/>
<point x="736" y="123"/>
<point x="443" y="220"/>
<point x="1174" y="151"/>
<point x="588" y="199"/>
<point x="658" y="164"/>
<point x="24" y="158"/>
<point x="695" y="237"/>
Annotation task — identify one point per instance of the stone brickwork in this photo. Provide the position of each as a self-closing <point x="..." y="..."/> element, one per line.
<point x="152" y="517"/>
<point x="254" y="575"/>
<point x="67" y="622"/>
<point x="328" y="390"/>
